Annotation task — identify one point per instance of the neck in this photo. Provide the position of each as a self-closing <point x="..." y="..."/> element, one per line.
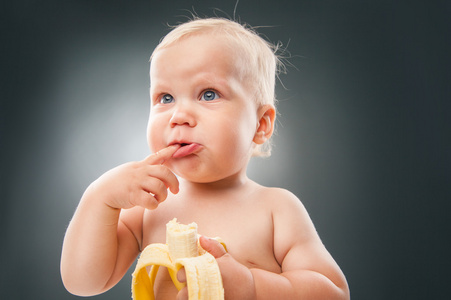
<point x="234" y="182"/>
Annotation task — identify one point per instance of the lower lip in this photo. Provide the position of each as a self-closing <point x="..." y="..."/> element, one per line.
<point x="186" y="150"/>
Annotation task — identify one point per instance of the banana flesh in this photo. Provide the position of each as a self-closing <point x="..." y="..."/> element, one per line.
<point x="182" y="249"/>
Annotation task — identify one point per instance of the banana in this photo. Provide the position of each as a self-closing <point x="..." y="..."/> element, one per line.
<point x="182" y="249"/>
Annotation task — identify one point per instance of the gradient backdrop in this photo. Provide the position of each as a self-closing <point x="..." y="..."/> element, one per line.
<point x="363" y="135"/>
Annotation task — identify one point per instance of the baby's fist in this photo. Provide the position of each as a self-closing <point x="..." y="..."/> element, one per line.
<point x="236" y="278"/>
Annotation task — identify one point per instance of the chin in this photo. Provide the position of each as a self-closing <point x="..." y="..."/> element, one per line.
<point x="195" y="170"/>
<point x="196" y="176"/>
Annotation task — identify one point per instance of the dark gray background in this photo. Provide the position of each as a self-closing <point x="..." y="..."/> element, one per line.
<point x="363" y="132"/>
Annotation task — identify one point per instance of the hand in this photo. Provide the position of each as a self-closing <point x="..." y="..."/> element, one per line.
<point x="236" y="278"/>
<point x="143" y="183"/>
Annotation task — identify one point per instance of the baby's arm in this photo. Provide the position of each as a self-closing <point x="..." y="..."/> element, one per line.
<point x="102" y="239"/>
<point x="308" y="270"/>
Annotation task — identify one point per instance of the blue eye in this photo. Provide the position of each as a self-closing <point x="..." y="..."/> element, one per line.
<point x="166" y="99"/>
<point x="209" y="96"/>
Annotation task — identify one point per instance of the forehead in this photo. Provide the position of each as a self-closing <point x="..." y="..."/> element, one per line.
<point x="197" y="52"/>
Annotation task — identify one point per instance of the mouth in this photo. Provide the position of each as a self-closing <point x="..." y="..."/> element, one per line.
<point x="186" y="149"/>
<point x="181" y="144"/>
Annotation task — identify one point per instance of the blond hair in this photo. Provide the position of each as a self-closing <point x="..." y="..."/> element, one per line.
<point x="259" y="61"/>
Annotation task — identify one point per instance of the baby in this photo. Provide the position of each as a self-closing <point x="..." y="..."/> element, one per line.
<point x="212" y="108"/>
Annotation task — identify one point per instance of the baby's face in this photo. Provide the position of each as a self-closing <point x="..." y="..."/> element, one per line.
<point x="199" y="101"/>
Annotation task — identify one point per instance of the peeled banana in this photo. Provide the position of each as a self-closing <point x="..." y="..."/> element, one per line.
<point x="182" y="249"/>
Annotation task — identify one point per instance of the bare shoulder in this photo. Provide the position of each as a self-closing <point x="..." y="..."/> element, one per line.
<point x="283" y="203"/>
<point x="279" y="195"/>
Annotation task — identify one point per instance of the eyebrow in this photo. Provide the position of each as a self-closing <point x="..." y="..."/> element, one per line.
<point x="216" y="81"/>
<point x="201" y="79"/>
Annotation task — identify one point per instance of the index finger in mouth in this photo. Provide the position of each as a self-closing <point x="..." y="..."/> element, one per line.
<point x="162" y="155"/>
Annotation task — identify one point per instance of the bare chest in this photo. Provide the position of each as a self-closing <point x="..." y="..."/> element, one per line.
<point x="247" y="230"/>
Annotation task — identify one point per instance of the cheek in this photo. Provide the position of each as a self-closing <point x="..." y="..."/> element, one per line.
<point x="149" y="134"/>
<point x="153" y="138"/>
<point x="240" y="133"/>
<point x="247" y="125"/>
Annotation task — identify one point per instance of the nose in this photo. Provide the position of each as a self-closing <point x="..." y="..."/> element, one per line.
<point x="183" y="114"/>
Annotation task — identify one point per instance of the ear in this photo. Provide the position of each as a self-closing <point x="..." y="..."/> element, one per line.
<point x="265" y="127"/>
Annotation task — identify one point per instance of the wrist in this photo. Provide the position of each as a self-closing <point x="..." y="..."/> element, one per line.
<point x="253" y="290"/>
<point x="238" y="280"/>
<point x="98" y="203"/>
<point x="100" y="194"/>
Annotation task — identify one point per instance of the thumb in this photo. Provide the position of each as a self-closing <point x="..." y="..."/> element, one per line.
<point x="212" y="246"/>
<point x="159" y="157"/>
